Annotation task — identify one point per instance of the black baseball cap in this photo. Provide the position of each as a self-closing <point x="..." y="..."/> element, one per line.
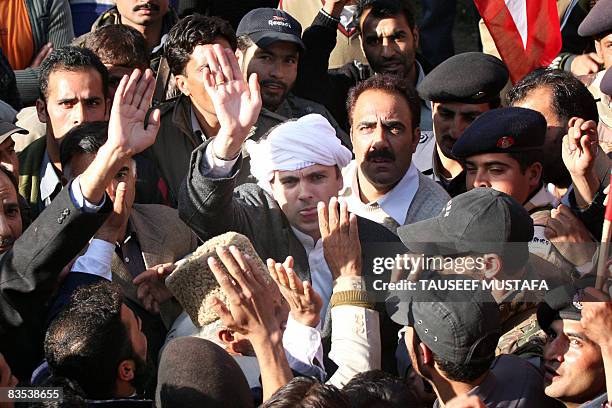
<point x="265" y="26"/>
<point x="482" y="221"/>
<point x="459" y="326"/>
<point x="8" y="129"/>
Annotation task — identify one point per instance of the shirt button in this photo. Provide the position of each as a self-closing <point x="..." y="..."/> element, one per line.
<point x="127" y="259"/>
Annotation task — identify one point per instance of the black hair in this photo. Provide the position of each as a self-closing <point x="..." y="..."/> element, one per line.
<point x="86" y="137"/>
<point x="391" y="84"/>
<point x="569" y="96"/>
<point x="11" y="177"/>
<point x="190" y="32"/>
<point x="378" y="389"/>
<point x="88" y="340"/>
<point x="119" y="44"/>
<point x="244" y="42"/>
<point x="70" y="58"/>
<point x="306" y="392"/>
<point x="386" y="8"/>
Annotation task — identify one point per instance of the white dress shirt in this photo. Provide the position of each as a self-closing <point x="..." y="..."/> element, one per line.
<point x="395" y="203"/>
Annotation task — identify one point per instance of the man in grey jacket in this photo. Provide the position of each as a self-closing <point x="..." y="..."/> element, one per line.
<point x="382" y="184"/>
<point x="298" y="167"/>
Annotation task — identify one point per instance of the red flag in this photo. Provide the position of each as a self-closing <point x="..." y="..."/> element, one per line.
<point x="526" y="32"/>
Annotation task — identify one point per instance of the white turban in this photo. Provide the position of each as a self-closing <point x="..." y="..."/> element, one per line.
<point x="294" y="145"/>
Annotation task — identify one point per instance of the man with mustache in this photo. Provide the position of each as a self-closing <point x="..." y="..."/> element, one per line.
<point x="577" y="347"/>
<point x="297" y="166"/>
<point x="382" y="184"/>
<point x="270" y="45"/>
<point x="152" y="18"/>
<point x="389" y="40"/>
<point x="461" y="88"/>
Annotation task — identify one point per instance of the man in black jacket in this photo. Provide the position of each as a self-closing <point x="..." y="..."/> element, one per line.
<point x="29" y="271"/>
<point x="389" y="39"/>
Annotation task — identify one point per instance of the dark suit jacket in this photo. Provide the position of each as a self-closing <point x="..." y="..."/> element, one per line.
<point x="28" y="274"/>
<point x="212" y="207"/>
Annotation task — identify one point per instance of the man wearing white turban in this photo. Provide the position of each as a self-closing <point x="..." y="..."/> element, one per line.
<point x="297" y="166"/>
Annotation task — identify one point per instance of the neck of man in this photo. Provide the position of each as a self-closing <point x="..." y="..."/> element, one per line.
<point x="447" y="389"/>
<point x="53" y="152"/>
<point x="367" y="192"/>
<point x="151" y="32"/>
<point x="207" y="120"/>
<point x="124" y="389"/>
<point x="449" y="168"/>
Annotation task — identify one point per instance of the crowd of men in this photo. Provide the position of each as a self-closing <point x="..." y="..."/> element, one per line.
<point x="204" y="210"/>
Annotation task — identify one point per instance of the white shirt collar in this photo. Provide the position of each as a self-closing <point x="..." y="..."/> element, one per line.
<point x="195" y="125"/>
<point x="48" y="178"/>
<point x="306" y="240"/>
<point x="543" y="198"/>
<point x="395" y="203"/>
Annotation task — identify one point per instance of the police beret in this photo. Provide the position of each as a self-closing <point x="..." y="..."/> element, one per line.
<point x="599" y="19"/>
<point x="471" y="77"/>
<point x="503" y="130"/>
<point x="606" y="83"/>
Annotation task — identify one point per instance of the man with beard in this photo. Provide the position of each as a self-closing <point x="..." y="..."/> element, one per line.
<point x="152" y="18"/>
<point x="98" y="342"/>
<point x="382" y="184"/>
<point x="10" y="211"/>
<point x="190" y="119"/>
<point x="389" y="39"/>
<point x="460" y="89"/>
<point x="270" y="46"/>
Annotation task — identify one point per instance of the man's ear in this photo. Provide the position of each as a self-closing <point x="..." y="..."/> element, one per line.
<point x="181" y="84"/>
<point x="426" y="354"/>
<point x="535" y="174"/>
<point x="416" y="136"/>
<point x="225" y="335"/>
<point x="41" y="110"/>
<point x="598" y="49"/>
<point x="493" y="265"/>
<point x="240" y="57"/>
<point x="415" y="34"/>
<point x="126" y="370"/>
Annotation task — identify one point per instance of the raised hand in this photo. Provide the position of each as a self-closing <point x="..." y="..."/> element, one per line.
<point x="126" y="127"/>
<point x="340" y="236"/>
<point x="152" y="290"/>
<point x="115" y="224"/>
<point x="251" y="311"/>
<point x="237" y="102"/>
<point x="579" y="151"/>
<point x="304" y="301"/>
<point x="580" y="146"/>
